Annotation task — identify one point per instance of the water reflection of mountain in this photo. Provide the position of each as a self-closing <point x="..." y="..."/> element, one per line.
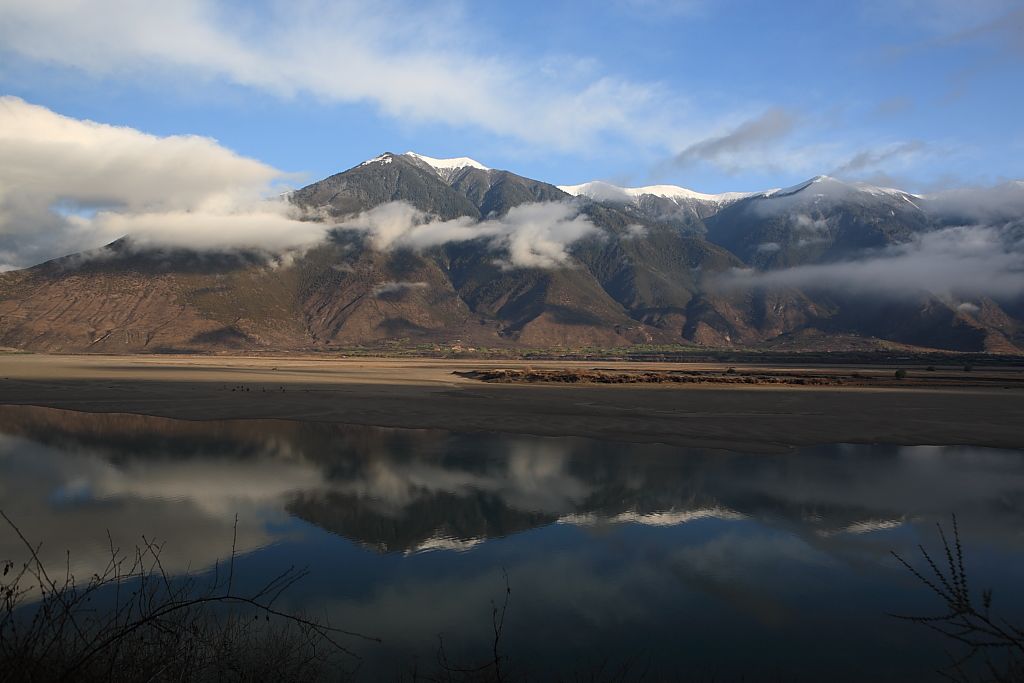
<point x="444" y="522"/>
<point x="402" y="490"/>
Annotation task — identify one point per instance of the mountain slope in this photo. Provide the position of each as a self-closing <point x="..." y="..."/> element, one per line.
<point x="820" y="220"/>
<point x="654" y="265"/>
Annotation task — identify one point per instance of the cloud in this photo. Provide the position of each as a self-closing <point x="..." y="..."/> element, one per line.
<point x="1002" y="33"/>
<point x="968" y="307"/>
<point x="770" y="126"/>
<point x="975" y="39"/>
<point x="635" y="231"/>
<point x="995" y="25"/>
<point x="873" y="158"/>
<point x="68" y="185"/>
<point x="537" y="235"/>
<point x="386" y="288"/>
<point x="532" y="235"/>
<point x="965" y="261"/>
<point x="421" y="64"/>
<point x="271" y="225"/>
<point x="939" y="17"/>
<point x="980" y="204"/>
<point x="807" y="224"/>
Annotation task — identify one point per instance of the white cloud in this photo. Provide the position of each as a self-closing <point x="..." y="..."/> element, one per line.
<point x="964" y="260"/>
<point x="532" y="235"/>
<point x="980" y="204"/>
<point x="386" y="288"/>
<point x="968" y="307"/>
<point x="537" y="235"/>
<point x="804" y="222"/>
<point x="68" y="185"/>
<point x="635" y="231"/>
<point x="420" y="64"/>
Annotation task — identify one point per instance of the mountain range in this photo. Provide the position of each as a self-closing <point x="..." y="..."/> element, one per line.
<point x="446" y="253"/>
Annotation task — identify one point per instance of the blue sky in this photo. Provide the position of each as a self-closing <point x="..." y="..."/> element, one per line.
<point x="712" y="95"/>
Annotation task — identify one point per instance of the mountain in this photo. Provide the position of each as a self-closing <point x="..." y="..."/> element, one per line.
<point x="430" y="252"/>
<point x="666" y="204"/>
<point x="446" y="188"/>
<point x="411" y="490"/>
<point x="822" y="219"/>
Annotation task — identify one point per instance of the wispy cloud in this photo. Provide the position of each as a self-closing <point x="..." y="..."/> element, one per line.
<point x="416" y="64"/>
<point x="992" y="29"/>
<point x="755" y="133"/>
<point x="869" y="159"/>
<point x="1002" y="33"/>
<point x="938" y="17"/>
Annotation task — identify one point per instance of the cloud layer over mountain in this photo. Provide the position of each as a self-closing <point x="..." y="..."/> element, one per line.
<point x="68" y="185"/>
<point x="961" y="261"/>
<point x="532" y="235"/>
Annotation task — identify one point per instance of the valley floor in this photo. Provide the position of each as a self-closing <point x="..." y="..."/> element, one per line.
<point x="838" y="404"/>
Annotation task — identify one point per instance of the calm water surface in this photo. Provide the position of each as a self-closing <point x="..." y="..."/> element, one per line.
<point x="678" y="561"/>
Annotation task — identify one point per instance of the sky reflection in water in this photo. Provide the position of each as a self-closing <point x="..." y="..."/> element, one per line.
<point x="681" y="561"/>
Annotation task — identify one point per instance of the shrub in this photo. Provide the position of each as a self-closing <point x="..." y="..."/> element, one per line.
<point x="983" y="635"/>
<point x="133" y="621"/>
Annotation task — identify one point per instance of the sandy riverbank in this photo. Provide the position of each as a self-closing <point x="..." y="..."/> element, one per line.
<point x="944" y="406"/>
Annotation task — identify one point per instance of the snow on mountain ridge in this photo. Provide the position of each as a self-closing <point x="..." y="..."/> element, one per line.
<point x="452" y="164"/>
<point x="446" y="168"/>
<point x="383" y="159"/>
<point x="821" y="185"/>
<point x="601" y="191"/>
<point x="824" y="185"/>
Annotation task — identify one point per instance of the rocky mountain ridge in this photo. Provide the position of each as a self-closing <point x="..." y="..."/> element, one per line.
<point x="448" y="252"/>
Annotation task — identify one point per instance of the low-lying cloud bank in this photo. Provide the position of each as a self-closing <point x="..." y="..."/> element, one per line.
<point x="532" y="235"/>
<point x="980" y="204"/>
<point x="960" y="261"/>
<point x="67" y="185"/>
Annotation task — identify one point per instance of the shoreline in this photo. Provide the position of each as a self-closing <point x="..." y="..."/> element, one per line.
<point x="988" y="410"/>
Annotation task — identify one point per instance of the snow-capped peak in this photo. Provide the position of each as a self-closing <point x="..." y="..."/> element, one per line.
<point x="385" y="158"/>
<point x="445" y="167"/>
<point x="600" y="191"/>
<point x="824" y="185"/>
